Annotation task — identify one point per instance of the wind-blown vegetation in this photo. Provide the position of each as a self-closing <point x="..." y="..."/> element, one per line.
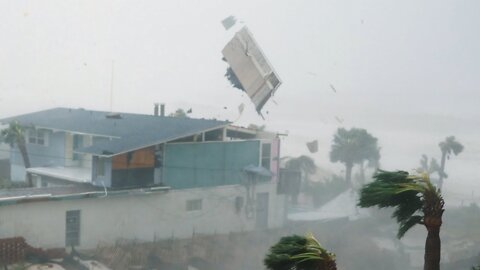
<point x="301" y="253"/>
<point x="415" y="200"/>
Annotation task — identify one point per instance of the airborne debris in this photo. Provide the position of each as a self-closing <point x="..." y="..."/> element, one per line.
<point x="228" y="22"/>
<point x="312" y="146"/>
<point x="339" y="120"/>
<point x="249" y="68"/>
<point x="333" y="88"/>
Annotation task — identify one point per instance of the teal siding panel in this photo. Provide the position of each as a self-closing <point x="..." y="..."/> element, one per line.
<point x="189" y="165"/>
<point x="178" y="165"/>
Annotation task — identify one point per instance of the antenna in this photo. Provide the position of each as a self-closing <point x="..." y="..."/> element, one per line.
<point x="111" y="88"/>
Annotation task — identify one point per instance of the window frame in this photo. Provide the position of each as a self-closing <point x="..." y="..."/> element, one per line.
<point x="34" y="136"/>
<point x="264" y="157"/>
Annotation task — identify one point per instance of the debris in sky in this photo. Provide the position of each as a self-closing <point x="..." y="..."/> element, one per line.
<point x="339" y="120"/>
<point x="312" y="146"/>
<point x="228" y="22"/>
<point x="362" y="21"/>
<point x="312" y="73"/>
<point x="333" y="88"/>
<point x="225" y="108"/>
<point x="249" y="66"/>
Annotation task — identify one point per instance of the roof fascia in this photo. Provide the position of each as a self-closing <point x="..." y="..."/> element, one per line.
<point x="159" y="142"/>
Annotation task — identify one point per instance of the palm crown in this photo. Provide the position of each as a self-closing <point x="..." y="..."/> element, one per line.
<point x="414" y="197"/>
<point x="301" y="253"/>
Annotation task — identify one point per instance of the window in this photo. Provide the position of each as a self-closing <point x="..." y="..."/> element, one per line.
<point x="36" y="136"/>
<point x="72" y="228"/>
<point x="266" y="155"/>
<point x="194" y="205"/>
<point x="77" y="143"/>
<point x="100" y="168"/>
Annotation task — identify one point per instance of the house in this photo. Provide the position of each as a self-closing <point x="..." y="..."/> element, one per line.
<point x="101" y="176"/>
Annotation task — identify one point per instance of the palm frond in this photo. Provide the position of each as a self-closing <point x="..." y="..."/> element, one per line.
<point x="401" y="191"/>
<point x="297" y="252"/>
<point x="408" y="224"/>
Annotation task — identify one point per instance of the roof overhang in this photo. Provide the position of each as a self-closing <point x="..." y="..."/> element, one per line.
<point x="72" y="174"/>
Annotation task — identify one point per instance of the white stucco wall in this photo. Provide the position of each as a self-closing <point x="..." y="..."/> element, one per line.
<point x="140" y="217"/>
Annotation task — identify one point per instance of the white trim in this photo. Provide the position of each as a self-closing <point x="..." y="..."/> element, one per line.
<point x="153" y="144"/>
<point x="75" y="132"/>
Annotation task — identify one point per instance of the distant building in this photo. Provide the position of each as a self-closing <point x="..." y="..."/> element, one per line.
<point x="101" y="176"/>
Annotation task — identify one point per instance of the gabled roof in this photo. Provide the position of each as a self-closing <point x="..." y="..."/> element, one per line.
<point x="126" y="133"/>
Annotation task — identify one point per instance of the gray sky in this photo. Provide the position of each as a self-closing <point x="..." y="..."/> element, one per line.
<point x="405" y="70"/>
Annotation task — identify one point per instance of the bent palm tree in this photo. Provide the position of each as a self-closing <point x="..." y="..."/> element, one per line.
<point x="416" y="201"/>
<point x="14" y="135"/>
<point x="300" y="253"/>
<point x="448" y="147"/>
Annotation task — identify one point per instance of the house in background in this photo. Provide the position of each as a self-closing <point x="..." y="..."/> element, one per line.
<point x="98" y="173"/>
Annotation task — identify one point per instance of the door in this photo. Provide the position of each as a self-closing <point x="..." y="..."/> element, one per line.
<point x="72" y="228"/>
<point x="261" y="213"/>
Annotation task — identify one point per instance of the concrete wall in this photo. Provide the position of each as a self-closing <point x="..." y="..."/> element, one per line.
<point x="141" y="217"/>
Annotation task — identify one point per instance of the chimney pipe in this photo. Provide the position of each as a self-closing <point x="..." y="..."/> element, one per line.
<point x="162" y="109"/>
<point x="155" y="109"/>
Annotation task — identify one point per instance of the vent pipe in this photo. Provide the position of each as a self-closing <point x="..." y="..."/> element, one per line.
<point x="162" y="109"/>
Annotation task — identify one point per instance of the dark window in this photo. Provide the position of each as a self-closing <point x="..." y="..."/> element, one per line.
<point x="194" y="205"/>
<point x="36" y="136"/>
<point x="100" y="168"/>
<point x="72" y="228"/>
<point x="266" y="155"/>
<point x="77" y="143"/>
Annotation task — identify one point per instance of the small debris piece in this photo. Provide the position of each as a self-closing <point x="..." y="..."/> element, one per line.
<point x="333" y="88"/>
<point x="312" y="146"/>
<point x="339" y="120"/>
<point x="228" y="22"/>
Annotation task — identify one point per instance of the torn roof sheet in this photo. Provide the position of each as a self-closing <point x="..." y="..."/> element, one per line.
<point x="251" y="67"/>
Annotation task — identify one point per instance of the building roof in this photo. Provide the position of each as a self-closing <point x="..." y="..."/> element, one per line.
<point x="126" y="131"/>
<point x="83" y="191"/>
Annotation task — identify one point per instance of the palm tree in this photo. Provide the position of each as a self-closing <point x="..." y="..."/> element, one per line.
<point x="430" y="168"/>
<point x="15" y="135"/>
<point x="180" y="113"/>
<point x="354" y="146"/>
<point x="416" y="201"/>
<point x="448" y="147"/>
<point x="300" y="253"/>
<point x="304" y="164"/>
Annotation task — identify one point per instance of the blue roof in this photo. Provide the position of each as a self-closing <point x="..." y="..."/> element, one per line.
<point x="127" y="133"/>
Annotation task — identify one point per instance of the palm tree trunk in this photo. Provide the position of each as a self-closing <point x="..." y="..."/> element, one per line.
<point x="442" y="169"/>
<point x="362" y="173"/>
<point x="432" y="248"/>
<point x="348" y="173"/>
<point x="26" y="160"/>
<point x="433" y="211"/>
